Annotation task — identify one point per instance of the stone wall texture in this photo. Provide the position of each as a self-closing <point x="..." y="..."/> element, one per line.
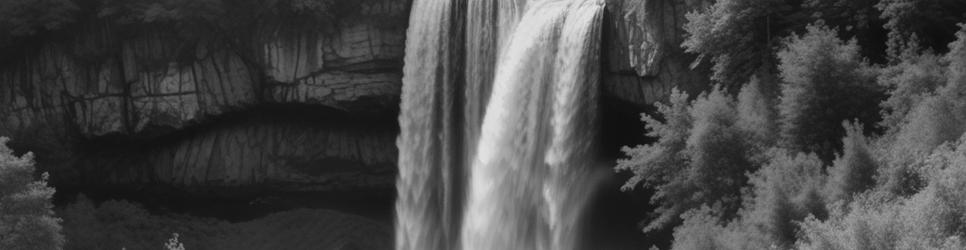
<point x="55" y="96"/>
<point x="644" y="58"/>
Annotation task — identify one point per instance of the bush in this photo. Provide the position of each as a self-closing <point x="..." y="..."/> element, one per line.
<point x="26" y="218"/>
<point x="825" y="82"/>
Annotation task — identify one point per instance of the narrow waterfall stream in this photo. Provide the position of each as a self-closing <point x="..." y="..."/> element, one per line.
<point x="524" y="178"/>
<point x="426" y="186"/>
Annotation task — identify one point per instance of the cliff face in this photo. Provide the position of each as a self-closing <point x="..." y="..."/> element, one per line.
<point x="140" y="87"/>
<point x="643" y="50"/>
<point x="57" y="99"/>
<point x="139" y="84"/>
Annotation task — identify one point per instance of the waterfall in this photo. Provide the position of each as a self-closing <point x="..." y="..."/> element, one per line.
<point x="531" y="174"/>
<point x="429" y="183"/>
<point x="528" y="153"/>
<point x="488" y="25"/>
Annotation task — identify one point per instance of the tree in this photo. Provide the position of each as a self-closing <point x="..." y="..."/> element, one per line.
<point x="26" y="218"/>
<point x="757" y="116"/>
<point x="853" y="18"/>
<point x="931" y="218"/>
<point x="739" y="35"/>
<point x="909" y="81"/>
<point x="927" y="23"/>
<point x="701" y="231"/>
<point x="700" y="159"/>
<point x="854" y="171"/>
<point x="784" y="191"/>
<point x="936" y="114"/>
<point x="825" y="82"/>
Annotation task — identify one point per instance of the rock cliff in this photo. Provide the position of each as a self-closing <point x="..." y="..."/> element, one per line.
<point x="65" y="95"/>
<point x="644" y="58"/>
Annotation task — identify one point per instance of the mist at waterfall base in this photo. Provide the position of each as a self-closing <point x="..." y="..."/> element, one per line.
<point x="521" y="172"/>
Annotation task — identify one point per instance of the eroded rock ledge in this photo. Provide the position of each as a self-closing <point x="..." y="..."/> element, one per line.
<point x="282" y="148"/>
<point x="143" y="88"/>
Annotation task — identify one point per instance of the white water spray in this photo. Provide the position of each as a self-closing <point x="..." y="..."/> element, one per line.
<point x="532" y="174"/>
<point x="530" y="155"/>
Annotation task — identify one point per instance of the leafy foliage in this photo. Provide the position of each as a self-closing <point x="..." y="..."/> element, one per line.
<point x="826" y="82"/>
<point x="757" y="115"/>
<point x="26" y="218"/>
<point x="700" y="160"/>
<point x="785" y="191"/>
<point x="858" y="19"/>
<point x="936" y="113"/>
<point x="854" y="171"/>
<point x="738" y="35"/>
<point x="914" y="23"/>
<point x="930" y="219"/>
<point x="899" y="190"/>
<point x="909" y="82"/>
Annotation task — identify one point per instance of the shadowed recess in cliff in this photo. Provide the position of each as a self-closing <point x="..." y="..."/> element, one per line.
<point x="529" y="165"/>
<point x="283" y="148"/>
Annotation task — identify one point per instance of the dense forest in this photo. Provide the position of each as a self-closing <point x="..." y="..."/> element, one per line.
<point x="833" y="125"/>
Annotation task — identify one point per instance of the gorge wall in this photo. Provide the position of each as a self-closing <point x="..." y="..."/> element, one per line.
<point x="308" y="110"/>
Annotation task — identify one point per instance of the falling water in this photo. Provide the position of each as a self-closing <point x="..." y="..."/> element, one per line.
<point x="531" y="175"/>
<point x="428" y="186"/>
<point x="488" y="24"/>
<point x="529" y="151"/>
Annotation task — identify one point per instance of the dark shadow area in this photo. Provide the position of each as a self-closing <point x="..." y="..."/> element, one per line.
<point x="374" y="204"/>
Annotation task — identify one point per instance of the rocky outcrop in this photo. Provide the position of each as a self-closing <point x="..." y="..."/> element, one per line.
<point x="139" y="82"/>
<point x="62" y="96"/>
<point x="643" y="55"/>
<point x="104" y="81"/>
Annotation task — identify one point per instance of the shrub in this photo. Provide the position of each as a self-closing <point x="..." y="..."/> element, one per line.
<point x="173" y="243"/>
<point x="26" y="218"/>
